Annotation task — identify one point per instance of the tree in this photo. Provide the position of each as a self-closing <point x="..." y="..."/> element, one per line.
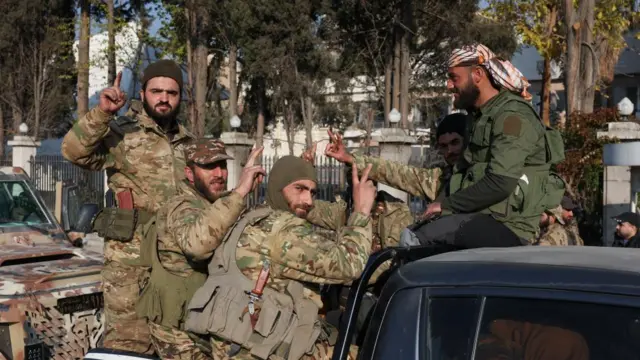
<point x="36" y="59"/>
<point x="83" y="57"/>
<point x="375" y="34"/>
<point x="583" y="169"/>
<point x="537" y="22"/>
<point x="591" y="31"/>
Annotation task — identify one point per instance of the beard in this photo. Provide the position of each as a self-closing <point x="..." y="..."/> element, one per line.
<point x="302" y="211"/>
<point x="162" y="119"/>
<point x="467" y="96"/>
<point x="206" y="191"/>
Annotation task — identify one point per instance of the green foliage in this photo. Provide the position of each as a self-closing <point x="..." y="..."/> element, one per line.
<point x="583" y="169"/>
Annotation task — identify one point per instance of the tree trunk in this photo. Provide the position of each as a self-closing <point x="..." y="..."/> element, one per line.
<point x="83" y="59"/>
<point x="1" y="133"/>
<point x="396" y="69"/>
<point x="261" y="93"/>
<point x="111" y="47"/>
<point x="546" y="74"/>
<point x="191" y="64"/>
<point x="546" y="91"/>
<point x="405" y="69"/>
<point x="588" y="63"/>
<point x="572" y="62"/>
<point x="233" y="80"/>
<point x="16" y="114"/>
<point x="288" y="127"/>
<point x="308" y="120"/>
<point x="388" y="71"/>
<point x="200" y="87"/>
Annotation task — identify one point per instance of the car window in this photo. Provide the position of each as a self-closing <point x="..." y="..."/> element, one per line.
<point x="451" y="327"/>
<point x="18" y="205"/>
<point x="514" y="328"/>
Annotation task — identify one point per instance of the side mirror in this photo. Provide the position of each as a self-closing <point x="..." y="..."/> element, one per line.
<point x="83" y="219"/>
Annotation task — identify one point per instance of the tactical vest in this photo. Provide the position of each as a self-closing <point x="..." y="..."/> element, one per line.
<point x="538" y="188"/>
<point x="164" y="298"/>
<point x="287" y="323"/>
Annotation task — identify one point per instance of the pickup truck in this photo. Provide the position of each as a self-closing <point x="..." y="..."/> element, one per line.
<point x="529" y="302"/>
<point x="533" y="303"/>
<point x="50" y="290"/>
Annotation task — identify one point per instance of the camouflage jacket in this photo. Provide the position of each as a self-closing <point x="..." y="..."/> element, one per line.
<point x="386" y="226"/>
<point x="558" y="235"/>
<point x="190" y="228"/>
<point x="145" y="160"/>
<point x="426" y="183"/>
<point x="298" y="252"/>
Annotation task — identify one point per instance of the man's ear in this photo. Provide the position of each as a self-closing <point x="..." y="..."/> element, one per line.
<point x="477" y="74"/>
<point x="188" y="173"/>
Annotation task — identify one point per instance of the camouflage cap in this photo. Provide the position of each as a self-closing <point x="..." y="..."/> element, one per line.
<point x="557" y="213"/>
<point x="205" y="151"/>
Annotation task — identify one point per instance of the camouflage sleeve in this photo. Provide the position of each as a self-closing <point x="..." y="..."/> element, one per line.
<point x="555" y="236"/>
<point x="329" y="215"/>
<point x="82" y="145"/>
<point x="200" y="227"/>
<point x="306" y="255"/>
<point x="416" y="181"/>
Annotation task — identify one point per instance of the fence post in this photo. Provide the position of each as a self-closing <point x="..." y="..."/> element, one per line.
<point x="395" y="145"/>
<point x="24" y="148"/>
<point x="238" y="145"/>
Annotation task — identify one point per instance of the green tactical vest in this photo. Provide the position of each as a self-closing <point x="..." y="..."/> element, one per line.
<point x="287" y="324"/>
<point x="538" y="188"/>
<point x="165" y="297"/>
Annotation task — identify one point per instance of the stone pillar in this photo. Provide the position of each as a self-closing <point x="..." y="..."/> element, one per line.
<point x="621" y="162"/>
<point x="395" y="145"/>
<point x="23" y="148"/>
<point x="238" y="146"/>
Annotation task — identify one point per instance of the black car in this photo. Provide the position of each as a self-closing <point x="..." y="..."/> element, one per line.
<point x="499" y="303"/>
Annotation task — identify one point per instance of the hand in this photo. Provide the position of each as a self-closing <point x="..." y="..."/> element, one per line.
<point x="113" y="99"/>
<point x="309" y="155"/>
<point x="252" y="174"/>
<point x="364" y="192"/>
<point x="336" y="149"/>
<point x="432" y="209"/>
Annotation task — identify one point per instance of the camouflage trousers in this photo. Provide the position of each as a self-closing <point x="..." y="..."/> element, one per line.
<point x="124" y="330"/>
<point x="173" y="344"/>
<point x="321" y="351"/>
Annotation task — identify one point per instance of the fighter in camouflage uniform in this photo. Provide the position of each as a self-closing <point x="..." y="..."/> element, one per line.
<point x="187" y="231"/>
<point x="554" y="231"/>
<point x="142" y="154"/>
<point x="425" y="182"/>
<point x="295" y="256"/>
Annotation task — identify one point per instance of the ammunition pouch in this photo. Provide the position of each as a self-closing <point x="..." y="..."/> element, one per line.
<point x="119" y="224"/>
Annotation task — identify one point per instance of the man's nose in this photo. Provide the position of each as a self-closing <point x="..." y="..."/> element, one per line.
<point x="450" y="85"/>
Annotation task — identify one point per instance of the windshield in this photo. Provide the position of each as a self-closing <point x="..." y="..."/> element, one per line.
<point x="18" y="206"/>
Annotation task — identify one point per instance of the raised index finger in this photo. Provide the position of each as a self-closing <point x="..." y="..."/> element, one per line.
<point x="116" y="82"/>
<point x="253" y="156"/>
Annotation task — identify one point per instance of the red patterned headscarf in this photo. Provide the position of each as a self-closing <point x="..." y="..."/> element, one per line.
<point x="502" y="71"/>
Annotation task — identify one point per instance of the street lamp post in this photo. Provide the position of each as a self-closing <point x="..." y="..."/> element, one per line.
<point x="235" y="122"/>
<point x="625" y="107"/>
<point x="394" y="116"/>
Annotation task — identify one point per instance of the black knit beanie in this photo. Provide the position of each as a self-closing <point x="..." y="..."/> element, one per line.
<point x="163" y="68"/>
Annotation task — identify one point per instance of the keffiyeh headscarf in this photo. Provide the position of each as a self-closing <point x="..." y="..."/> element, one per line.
<point x="502" y="72"/>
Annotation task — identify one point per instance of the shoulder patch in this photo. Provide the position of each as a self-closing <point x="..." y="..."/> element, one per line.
<point x="512" y="125"/>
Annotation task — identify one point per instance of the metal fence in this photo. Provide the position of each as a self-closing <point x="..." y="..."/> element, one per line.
<point x="47" y="170"/>
<point x="331" y="183"/>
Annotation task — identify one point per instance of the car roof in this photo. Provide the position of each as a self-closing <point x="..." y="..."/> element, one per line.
<point x="582" y="268"/>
